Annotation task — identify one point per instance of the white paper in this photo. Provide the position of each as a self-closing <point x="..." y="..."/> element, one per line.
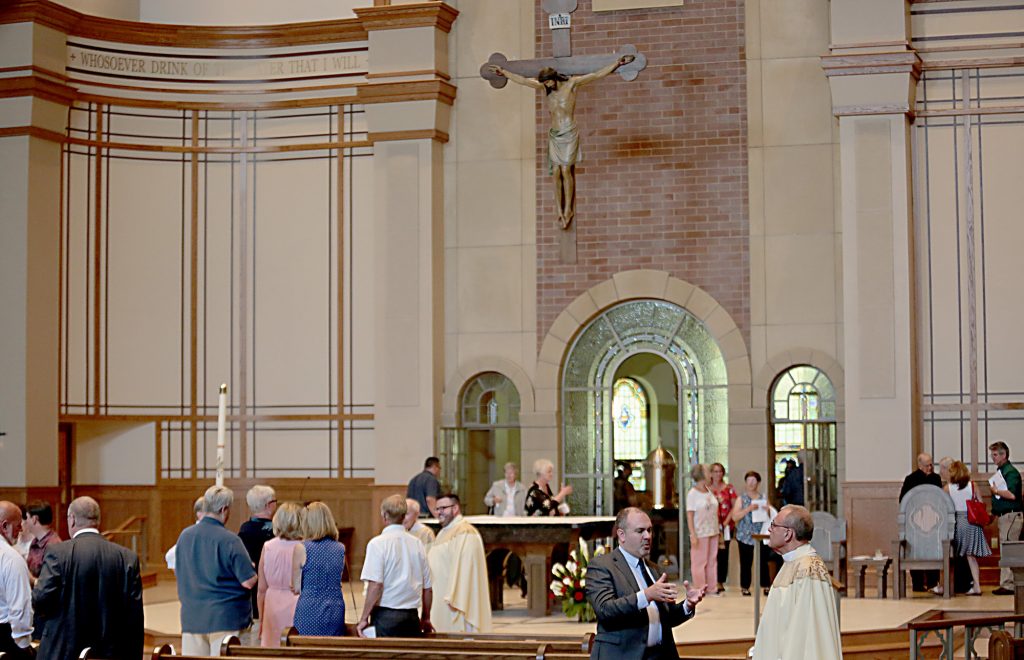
<point x="997" y="481"/>
<point x="759" y="515"/>
<point x="370" y="632"/>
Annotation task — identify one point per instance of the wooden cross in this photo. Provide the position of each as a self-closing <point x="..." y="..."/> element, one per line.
<point x="565" y="63"/>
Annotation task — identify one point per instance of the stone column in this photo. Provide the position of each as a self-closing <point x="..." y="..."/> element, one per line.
<point x="408" y="101"/>
<point x="33" y="112"/>
<point x="873" y="76"/>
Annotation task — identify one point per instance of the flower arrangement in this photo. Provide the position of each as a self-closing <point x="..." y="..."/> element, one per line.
<point x="571" y="581"/>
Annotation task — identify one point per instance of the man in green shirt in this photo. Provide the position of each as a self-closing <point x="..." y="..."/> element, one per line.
<point x="1006" y="505"/>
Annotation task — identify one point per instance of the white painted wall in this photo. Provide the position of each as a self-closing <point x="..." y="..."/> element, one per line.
<point x="245" y="12"/>
<point x="115" y="453"/>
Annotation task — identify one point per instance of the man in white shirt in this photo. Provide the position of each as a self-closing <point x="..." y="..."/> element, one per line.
<point x="15" y="592"/>
<point x="397" y="577"/>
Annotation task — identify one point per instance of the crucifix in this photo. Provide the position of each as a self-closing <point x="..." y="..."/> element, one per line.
<point x="560" y="76"/>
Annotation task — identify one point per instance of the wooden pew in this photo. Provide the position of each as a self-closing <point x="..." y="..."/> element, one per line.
<point x="350" y="647"/>
<point x="1004" y="646"/>
<point x="259" y="653"/>
<point x="489" y="641"/>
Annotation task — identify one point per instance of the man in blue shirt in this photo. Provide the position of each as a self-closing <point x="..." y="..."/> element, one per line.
<point x="214" y="575"/>
<point x="425" y="488"/>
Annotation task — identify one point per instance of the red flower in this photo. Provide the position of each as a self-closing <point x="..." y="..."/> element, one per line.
<point x="578" y="596"/>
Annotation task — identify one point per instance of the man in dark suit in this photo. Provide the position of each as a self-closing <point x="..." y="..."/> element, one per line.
<point x="89" y="593"/>
<point x="923" y="475"/>
<point x="635" y="603"/>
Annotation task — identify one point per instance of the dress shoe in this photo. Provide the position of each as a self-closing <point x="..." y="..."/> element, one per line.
<point x="1002" y="591"/>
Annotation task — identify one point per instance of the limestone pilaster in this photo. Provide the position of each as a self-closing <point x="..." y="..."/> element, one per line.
<point x="872" y="75"/>
<point x="408" y="101"/>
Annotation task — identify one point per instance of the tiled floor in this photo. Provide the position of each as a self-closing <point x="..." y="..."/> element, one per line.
<point x="730" y="616"/>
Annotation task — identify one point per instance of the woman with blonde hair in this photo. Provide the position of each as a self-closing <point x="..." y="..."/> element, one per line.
<point x="275" y="597"/>
<point x="702" y="521"/>
<point x="317" y="566"/>
<point x="968" y="538"/>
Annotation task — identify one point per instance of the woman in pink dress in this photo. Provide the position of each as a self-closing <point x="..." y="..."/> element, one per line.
<point x="275" y="597"/>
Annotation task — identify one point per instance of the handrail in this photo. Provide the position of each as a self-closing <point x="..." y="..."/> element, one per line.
<point x="126" y="528"/>
<point x="942" y="623"/>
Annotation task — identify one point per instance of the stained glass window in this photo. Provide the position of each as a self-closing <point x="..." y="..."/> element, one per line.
<point x="629" y="419"/>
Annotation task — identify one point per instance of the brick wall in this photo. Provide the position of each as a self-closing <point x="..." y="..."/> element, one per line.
<point x="663" y="182"/>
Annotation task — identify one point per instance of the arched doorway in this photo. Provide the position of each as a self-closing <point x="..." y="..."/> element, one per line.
<point x="629" y="340"/>
<point x="487" y="436"/>
<point x="803" y="430"/>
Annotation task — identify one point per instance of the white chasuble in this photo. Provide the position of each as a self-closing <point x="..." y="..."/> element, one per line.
<point x="800" y="619"/>
<point x="459" y="573"/>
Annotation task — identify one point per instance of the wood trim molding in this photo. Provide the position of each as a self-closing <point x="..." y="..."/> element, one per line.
<point x="859" y="64"/>
<point x="864" y="110"/>
<point x="37" y="87"/>
<point x="420" y="134"/>
<point x="397" y="17"/>
<point x="413" y="90"/>
<point x="32" y="131"/>
<point x="71" y="22"/>
<point x="402" y="74"/>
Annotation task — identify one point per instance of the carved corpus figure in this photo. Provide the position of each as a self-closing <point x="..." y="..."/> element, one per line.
<point x="563" y="136"/>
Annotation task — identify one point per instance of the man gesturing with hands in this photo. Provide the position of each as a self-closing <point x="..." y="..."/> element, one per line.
<point x="635" y="603"/>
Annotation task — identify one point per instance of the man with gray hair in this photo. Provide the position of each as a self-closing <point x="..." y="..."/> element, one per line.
<point x="15" y="592"/>
<point x="414" y="526"/>
<point x="259" y="528"/>
<point x="800" y="619"/>
<point x="215" y="576"/>
<point x="89" y="593"/>
<point x="397" y="578"/>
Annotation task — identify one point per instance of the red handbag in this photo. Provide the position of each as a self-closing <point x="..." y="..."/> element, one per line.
<point x="977" y="514"/>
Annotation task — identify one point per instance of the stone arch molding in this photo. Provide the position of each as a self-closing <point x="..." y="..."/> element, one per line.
<point x="472" y="368"/>
<point x="632" y="285"/>
<point x="785" y="360"/>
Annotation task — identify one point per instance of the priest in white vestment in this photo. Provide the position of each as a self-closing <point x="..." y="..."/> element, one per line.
<point x="800" y="619"/>
<point x="459" y="573"/>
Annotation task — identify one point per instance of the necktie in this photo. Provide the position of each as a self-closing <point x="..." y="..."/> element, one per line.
<point x="644" y="572"/>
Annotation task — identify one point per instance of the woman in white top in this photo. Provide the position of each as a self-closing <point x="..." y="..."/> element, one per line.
<point x="702" y="520"/>
<point x="968" y="539"/>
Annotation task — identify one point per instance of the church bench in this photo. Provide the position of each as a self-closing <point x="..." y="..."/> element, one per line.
<point x="557" y="643"/>
<point x="259" y="653"/>
<point x="1004" y="646"/>
<point x="409" y="649"/>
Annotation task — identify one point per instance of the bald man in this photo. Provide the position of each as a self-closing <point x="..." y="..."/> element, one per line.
<point x="89" y="593"/>
<point x="800" y="619"/>
<point x="15" y="592"/>
<point x="923" y="475"/>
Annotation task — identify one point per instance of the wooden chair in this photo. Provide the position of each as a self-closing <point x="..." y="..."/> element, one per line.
<point x="925" y="533"/>
<point x="829" y="542"/>
<point x="1004" y="646"/>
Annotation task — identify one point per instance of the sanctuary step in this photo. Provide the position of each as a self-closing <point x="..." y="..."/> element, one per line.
<point x="149" y="579"/>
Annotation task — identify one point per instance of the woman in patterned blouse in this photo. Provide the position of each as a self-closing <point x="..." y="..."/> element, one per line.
<point x="726" y="495"/>
<point x="539" y="499"/>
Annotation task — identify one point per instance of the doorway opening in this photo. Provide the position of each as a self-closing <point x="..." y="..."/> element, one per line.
<point x="802" y="443"/>
<point x="474" y="453"/>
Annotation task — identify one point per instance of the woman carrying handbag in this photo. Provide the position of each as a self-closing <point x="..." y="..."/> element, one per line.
<point x="969" y="534"/>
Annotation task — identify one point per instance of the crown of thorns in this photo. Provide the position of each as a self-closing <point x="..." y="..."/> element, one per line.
<point x="547" y="73"/>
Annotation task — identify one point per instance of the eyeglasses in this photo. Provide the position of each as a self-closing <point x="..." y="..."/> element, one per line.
<point x="449" y="506"/>
<point x="775" y="525"/>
